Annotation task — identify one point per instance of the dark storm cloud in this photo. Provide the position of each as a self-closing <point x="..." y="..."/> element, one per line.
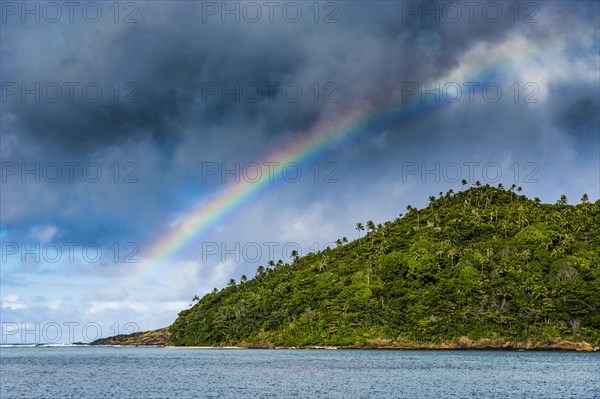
<point x="578" y="117"/>
<point x="578" y="120"/>
<point x="173" y="59"/>
<point x="173" y="125"/>
<point x="169" y="69"/>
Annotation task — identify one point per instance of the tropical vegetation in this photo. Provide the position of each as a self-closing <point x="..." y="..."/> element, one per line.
<point x="486" y="262"/>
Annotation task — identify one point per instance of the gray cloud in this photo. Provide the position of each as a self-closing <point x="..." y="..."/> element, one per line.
<point x="171" y="57"/>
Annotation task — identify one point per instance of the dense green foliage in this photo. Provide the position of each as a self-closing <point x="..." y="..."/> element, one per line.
<point x="485" y="262"/>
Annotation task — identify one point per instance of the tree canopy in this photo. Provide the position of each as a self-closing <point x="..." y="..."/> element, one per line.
<point x="485" y="263"/>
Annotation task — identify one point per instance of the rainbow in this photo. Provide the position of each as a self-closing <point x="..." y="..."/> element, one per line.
<point x="301" y="152"/>
<point x="352" y="124"/>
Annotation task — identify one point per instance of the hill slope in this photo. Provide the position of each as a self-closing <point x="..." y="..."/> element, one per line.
<point x="484" y="263"/>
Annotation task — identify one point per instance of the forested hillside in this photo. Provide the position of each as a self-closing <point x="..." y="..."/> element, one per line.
<point x="484" y="263"/>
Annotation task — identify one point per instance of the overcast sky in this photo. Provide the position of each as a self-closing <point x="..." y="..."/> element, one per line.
<point x="118" y="122"/>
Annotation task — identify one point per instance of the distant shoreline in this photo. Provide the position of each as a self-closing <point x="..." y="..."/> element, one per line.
<point x="572" y="347"/>
<point x="203" y="347"/>
<point x="541" y="349"/>
<point x="161" y="337"/>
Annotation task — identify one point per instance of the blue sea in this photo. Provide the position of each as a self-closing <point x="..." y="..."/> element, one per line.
<point x="144" y="372"/>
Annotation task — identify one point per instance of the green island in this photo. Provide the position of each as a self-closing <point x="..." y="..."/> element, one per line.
<point x="485" y="267"/>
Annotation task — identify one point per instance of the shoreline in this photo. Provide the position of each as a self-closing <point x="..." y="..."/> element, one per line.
<point x="162" y="337"/>
<point x="464" y="343"/>
<point x="541" y="349"/>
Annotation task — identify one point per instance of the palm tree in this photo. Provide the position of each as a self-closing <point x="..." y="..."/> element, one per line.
<point x="479" y="258"/>
<point x="506" y="225"/>
<point x="196" y="298"/>
<point x="344" y="240"/>
<point x="452" y="252"/>
<point x="585" y="199"/>
<point x="371" y="225"/>
<point x="294" y="255"/>
<point x="322" y="263"/>
<point x="410" y="208"/>
<point x="359" y="228"/>
<point x="431" y="200"/>
<point x="520" y="215"/>
<point x="231" y="283"/>
<point x="243" y="279"/>
<point x="466" y="203"/>
<point x="512" y="191"/>
<point x="563" y="200"/>
<point x="383" y="248"/>
<point x="260" y="270"/>
<point x="464" y="182"/>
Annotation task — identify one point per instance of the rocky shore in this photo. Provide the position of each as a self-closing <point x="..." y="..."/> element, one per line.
<point x="162" y="337"/>
<point x="486" y="343"/>
<point x="159" y="337"/>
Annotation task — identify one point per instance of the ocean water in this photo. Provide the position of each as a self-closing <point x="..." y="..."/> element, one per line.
<point x="126" y="372"/>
